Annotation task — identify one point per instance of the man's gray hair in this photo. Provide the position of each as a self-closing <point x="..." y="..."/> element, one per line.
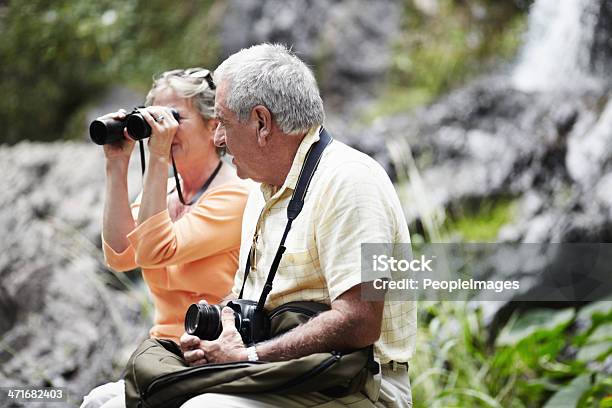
<point x="272" y="76"/>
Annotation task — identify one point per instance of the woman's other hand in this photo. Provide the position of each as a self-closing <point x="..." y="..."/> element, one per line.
<point x="121" y="149"/>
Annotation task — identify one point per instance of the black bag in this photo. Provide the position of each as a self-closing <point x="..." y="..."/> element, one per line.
<point x="157" y="375"/>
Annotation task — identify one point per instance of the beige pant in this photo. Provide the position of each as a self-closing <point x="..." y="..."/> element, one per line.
<point x="111" y="395"/>
<point x="391" y="390"/>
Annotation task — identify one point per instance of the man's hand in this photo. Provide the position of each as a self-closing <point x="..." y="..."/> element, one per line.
<point x="228" y="347"/>
<point x="191" y="346"/>
<point x="352" y="323"/>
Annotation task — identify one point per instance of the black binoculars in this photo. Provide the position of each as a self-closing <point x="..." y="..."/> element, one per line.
<point x="105" y="131"/>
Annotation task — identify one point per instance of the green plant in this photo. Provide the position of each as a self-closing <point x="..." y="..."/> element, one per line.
<point x="531" y="364"/>
<point x="58" y="56"/>
<point x="481" y="222"/>
<point x="442" y="48"/>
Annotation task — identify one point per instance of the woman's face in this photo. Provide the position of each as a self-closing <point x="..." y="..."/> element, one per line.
<point x="194" y="136"/>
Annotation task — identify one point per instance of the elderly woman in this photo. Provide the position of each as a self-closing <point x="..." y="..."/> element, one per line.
<point x="185" y="237"/>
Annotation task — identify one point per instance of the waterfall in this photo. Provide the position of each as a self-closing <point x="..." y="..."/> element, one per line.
<point x="559" y="42"/>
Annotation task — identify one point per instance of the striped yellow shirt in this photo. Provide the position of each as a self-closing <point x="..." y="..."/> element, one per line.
<point x="350" y="201"/>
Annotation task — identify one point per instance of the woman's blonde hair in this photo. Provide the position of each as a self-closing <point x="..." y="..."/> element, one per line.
<point x="195" y="84"/>
<point x="192" y="83"/>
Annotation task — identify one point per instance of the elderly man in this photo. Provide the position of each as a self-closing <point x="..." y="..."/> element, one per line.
<point x="270" y="114"/>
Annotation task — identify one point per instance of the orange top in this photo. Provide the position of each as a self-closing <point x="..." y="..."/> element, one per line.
<point x="193" y="258"/>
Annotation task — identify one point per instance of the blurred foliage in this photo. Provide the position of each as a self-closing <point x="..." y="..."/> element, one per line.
<point x="60" y="55"/>
<point x="533" y="362"/>
<point x="480" y="222"/>
<point x="444" y="42"/>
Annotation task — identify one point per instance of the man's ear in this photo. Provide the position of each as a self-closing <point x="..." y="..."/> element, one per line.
<point x="263" y="120"/>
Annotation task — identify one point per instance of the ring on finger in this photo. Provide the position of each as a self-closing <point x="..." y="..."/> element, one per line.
<point x="159" y="118"/>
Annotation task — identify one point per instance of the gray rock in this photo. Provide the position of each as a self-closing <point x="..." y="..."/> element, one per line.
<point x="61" y="323"/>
<point x="589" y="151"/>
<point x="600" y="50"/>
<point x="348" y="42"/>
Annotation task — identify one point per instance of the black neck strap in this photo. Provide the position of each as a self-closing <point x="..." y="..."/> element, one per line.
<point x="176" y="179"/>
<point x="201" y="190"/>
<point x="142" y="156"/>
<point x="293" y="210"/>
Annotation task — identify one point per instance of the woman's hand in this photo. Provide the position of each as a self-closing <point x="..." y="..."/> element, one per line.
<point x="121" y="149"/>
<point x="118" y="221"/>
<point x="163" y="128"/>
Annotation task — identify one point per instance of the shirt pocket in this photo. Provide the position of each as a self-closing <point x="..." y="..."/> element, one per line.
<point x="298" y="264"/>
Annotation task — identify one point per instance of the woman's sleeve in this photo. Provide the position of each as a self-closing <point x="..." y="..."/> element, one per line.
<point x="211" y="228"/>
<point x="121" y="261"/>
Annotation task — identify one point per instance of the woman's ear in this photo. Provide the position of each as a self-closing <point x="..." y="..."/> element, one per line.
<point x="211" y="124"/>
<point x="263" y="121"/>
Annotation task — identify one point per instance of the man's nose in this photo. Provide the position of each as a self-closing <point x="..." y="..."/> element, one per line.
<point x="219" y="138"/>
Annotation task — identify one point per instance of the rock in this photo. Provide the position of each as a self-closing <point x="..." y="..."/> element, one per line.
<point x="589" y="151"/>
<point x="348" y="42"/>
<point x="600" y="50"/>
<point x="489" y="140"/>
<point x="61" y="324"/>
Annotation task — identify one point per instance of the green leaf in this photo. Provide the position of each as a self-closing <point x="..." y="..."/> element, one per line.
<point x="472" y="394"/>
<point x="602" y="307"/>
<point x="569" y="396"/>
<point x="537" y="321"/>
<point x="606" y="402"/>
<point x="591" y="352"/>
<point x="602" y="333"/>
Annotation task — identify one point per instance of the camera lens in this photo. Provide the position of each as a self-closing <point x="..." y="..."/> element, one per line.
<point x="203" y="321"/>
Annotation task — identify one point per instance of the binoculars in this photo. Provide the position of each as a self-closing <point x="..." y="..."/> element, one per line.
<point x="105" y="131"/>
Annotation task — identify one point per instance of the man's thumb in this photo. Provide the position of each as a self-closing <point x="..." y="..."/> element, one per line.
<point x="228" y="319"/>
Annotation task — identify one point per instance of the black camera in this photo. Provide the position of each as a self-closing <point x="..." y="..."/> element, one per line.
<point x="204" y="321"/>
<point x="105" y="131"/>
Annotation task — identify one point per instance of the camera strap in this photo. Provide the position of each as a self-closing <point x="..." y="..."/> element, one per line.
<point x="313" y="157"/>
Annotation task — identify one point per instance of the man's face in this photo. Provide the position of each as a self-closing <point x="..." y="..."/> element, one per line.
<point x="240" y="139"/>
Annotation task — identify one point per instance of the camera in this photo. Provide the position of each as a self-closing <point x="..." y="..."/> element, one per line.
<point x="105" y="131"/>
<point x="204" y="321"/>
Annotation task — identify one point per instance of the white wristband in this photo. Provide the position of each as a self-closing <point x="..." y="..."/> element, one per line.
<point x="252" y="354"/>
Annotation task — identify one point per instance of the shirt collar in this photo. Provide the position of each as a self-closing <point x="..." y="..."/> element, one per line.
<point x="268" y="190"/>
